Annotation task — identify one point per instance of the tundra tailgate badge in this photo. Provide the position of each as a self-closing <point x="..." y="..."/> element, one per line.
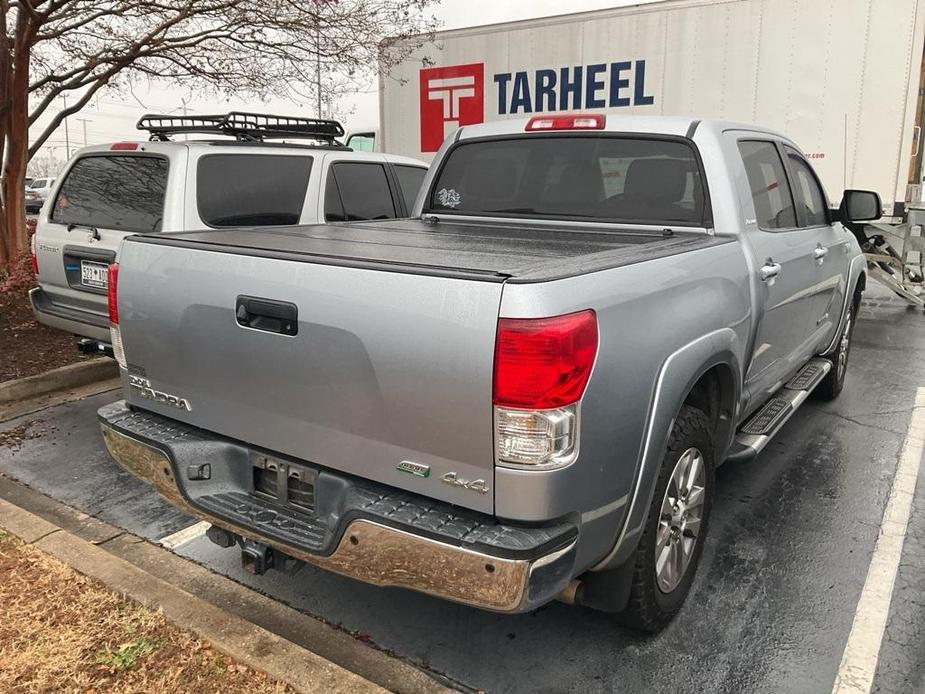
<point x="142" y="386"/>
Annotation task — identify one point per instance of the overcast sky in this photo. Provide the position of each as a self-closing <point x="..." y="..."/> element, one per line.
<point x="112" y="118"/>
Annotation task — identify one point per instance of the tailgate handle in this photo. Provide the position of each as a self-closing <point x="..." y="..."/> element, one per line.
<point x="281" y="317"/>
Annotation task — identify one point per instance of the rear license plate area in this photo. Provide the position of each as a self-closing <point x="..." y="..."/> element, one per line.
<point x="94" y="280"/>
<point x="94" y="275"/>
<point x="283" y="482"/>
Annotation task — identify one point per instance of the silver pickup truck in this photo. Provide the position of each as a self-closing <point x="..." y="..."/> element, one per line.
<point x="521" y="393"/>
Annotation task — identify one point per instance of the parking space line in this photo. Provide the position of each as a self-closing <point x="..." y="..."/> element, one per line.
<point x="181" y="537"/>
<point x="859" y="661"/>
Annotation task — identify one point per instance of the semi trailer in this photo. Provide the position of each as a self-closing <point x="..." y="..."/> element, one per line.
<point x="844" y="79"/>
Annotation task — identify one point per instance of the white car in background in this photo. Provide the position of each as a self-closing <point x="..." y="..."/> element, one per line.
<point x="37" y="193"/>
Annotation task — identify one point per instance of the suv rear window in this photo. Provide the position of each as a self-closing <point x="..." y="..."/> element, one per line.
<point x="251" y="189"/>
<point x="124" y="192"/>
<point x="637" y="180"/>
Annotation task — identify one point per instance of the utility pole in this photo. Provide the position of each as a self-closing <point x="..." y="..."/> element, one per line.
<point x="318" y="64"/>
<point x="67" y="135"/>
<point x="85" y="121"/>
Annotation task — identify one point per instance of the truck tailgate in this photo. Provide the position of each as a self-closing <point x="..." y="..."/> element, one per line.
<point x="384" y="368"/>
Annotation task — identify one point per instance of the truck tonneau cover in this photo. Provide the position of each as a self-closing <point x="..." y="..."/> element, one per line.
<point x="490" y="252"/>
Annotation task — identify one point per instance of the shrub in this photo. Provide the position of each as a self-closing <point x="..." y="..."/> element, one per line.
<point x="20" y="276"/>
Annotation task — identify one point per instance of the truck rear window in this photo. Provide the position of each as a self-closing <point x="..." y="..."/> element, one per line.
<point x="635" y="180"/>
<point x="251" y="189"/>
<point x="124" y="192"/>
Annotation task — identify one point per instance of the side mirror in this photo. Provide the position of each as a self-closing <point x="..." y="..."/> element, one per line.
<point x="860" y="206"/>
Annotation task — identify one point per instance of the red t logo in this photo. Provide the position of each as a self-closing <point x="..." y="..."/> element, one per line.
<point x="450" y="97"/>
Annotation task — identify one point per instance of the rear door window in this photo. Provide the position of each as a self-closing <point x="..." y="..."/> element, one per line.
<point x="362" y="192"/>
<point x="410" y="179"/>
<point x="768" y="183"/>
<point x="124" y="192"/>
<point x="807" y="192"/>
<point x="251" y="189"/>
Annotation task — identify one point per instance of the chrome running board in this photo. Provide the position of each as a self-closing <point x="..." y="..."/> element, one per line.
<point x="761" y="427"/>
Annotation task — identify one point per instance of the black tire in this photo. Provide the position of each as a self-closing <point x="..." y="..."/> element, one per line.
<point x="650" y="608"/>
<point x="831" y="386"/>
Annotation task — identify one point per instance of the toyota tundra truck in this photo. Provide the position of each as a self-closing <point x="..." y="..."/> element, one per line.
<point x="519" y="394"/>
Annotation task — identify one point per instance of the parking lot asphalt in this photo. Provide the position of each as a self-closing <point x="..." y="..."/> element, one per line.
<point x="790" y="543"/>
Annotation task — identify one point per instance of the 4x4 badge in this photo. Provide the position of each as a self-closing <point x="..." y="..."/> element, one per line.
<point x="415" y="469"/>
<point x="480" y="486"/>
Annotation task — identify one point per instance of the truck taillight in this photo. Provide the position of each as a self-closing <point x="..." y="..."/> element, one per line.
<point x="544" y="362"/>
<point x="542" y="366"/>
<point x="35" y="258"/>
<point x="115" y="334"/>
<point x="575" y="121"/>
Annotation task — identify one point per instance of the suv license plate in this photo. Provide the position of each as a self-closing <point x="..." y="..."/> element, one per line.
<point x="94" y="274"/>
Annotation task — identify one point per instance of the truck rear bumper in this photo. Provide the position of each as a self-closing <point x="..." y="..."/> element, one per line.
<point x="83" y="323"/>
<point x="350" y="526"/>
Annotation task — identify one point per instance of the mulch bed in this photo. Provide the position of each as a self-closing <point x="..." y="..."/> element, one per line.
<point x="64" y="632"/>
<point x="28" y="347"/>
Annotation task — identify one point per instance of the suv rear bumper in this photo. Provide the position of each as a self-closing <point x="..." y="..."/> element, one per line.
<point x="350" y="526"/>
<point x="72" y="320"/>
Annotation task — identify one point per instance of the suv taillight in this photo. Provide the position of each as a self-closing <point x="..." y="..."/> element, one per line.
<point x="112" y="284"/>
<point x="542" y="366"/>
<point x="115" y="334"/>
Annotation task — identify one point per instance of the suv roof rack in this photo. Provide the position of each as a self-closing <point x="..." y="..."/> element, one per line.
<point x="244" y="127"/>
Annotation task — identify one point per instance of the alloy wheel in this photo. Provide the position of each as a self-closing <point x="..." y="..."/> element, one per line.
<point x="680" y="520"/>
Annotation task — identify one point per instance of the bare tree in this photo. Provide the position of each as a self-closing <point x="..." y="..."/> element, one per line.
<point x="44" y="166"/>
<point x="51" y="48"/>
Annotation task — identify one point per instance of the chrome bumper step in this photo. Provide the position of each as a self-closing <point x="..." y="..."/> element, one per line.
<point x="761" y="427"/>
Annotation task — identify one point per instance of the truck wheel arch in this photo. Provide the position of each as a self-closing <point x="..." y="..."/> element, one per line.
<point x="685" y="376"/>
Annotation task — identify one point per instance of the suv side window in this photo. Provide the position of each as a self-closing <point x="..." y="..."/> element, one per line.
<point x="808" y="194"/>
<point x="410" y="179"/>
<point x="768" y="183"/>
<point x="124" y="192"/>
<point x="251" y="189"/>
<point x="363" y="191"/>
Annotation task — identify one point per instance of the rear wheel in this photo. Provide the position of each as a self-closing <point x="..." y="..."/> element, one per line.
<point x="668" y="553"/>
<point x="830" y="386"/>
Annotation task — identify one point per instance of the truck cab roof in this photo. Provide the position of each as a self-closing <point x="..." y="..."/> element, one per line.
<point x="679" y="126"/>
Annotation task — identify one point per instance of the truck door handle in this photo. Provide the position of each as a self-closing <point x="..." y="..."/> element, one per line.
<point x="268" y="315"/>
<point x="769" y="270"/>
<point x="820" y="252"/>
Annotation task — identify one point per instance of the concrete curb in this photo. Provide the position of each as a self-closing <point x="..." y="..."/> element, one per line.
<point x="244" y="641"/>
<point x="62" y="378"/>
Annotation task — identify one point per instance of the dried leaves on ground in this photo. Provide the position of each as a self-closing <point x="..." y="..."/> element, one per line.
<point x="28" y="347"/>
<point x="63" y="632"/>
<point x="14" y="438"/>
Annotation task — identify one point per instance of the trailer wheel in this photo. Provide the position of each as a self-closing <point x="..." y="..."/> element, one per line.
<point x="668" y="553"/>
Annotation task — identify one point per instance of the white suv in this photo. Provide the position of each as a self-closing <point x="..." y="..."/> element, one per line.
<point x="107" y="192"/>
